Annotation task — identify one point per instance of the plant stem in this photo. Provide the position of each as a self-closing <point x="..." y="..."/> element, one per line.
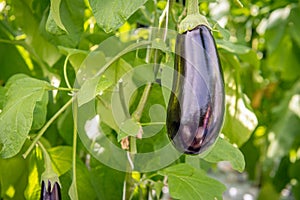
<point x="122" y="99"/>
<point x="63" y="89"/>
<point x="192" y="7"/>
<point x="74" y="179"/>
<point x="65" y="72"/>
<point x="152" y="123"/>
<point x="193" y="18"/>
<point x="45" y="127"/>
<point x="139" y="110"/>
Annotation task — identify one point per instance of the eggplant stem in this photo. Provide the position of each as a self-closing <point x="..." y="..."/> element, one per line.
<point x="192" y="7"/>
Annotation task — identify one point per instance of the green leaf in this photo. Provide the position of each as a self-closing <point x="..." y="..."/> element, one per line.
<point x="13" y="178"/>
<point x="294" y="26"/>
<point x="158" y="186"/>
<point x="91" y="88"/>
<point x="117" y="70"/>
<point x="84" y="184"/>
<point x="188" y="183"/>
<point x="224" y="151"/>
<point x="73" y="191"/>
<point x="65" y="125"/>
<point x="55" y="12"/>
<point x="11" y="61"/>
<point x="65" y="22"/>
<point x="61" y="157"/>
<point x="40" y="112"/>
<point x="17" y="116"/>
<point x="29" y="23"/>
<point x="52" y="27"/>
<point x="129" y="128"/>
<point x="232" y="48"/>
<point x="35" y="169"/>
<point x="2" y="97"/>
<point x="104" y="185"/>
<point x="76" y="56"/>
<point x="104" y="106"/>
<point x="110" y="15"/>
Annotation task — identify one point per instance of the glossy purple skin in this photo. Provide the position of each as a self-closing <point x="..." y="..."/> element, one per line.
<point x="196" y="106"/>
<point x="47" y="194"/>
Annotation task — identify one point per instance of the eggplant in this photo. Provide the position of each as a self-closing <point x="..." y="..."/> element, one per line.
<point x="197" y="103"/>
<point x="49" y="193"/>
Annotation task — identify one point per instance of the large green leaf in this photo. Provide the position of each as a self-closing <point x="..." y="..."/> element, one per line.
<point x="61" y="157"/>
<point x="224" y="151"/>
<point x="84" y="184"/>
<point x="107" y="182"/>
<point x="17" y="116"/>
<point x="65" y="21"/>
<point x="110" y="15"/>
<point x="55" y="11"/>
<point x="188" y="183"/>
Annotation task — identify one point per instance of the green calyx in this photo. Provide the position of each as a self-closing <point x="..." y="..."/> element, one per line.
<point x="49" y="176"/>
<point x="193" y="18"/>
<point x="192" y="21"/>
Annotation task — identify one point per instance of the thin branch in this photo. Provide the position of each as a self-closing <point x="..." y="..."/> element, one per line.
<point x="46" y="126"/>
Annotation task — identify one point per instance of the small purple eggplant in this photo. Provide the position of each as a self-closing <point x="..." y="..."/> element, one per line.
<point x="50" y="193"/>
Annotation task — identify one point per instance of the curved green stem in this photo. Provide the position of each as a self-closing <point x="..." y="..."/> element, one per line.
<point x="65" y="71"/>
<point x="45" y="127"/>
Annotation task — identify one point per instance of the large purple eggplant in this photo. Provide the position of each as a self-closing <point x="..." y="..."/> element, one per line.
<point x="196" y="106"/>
